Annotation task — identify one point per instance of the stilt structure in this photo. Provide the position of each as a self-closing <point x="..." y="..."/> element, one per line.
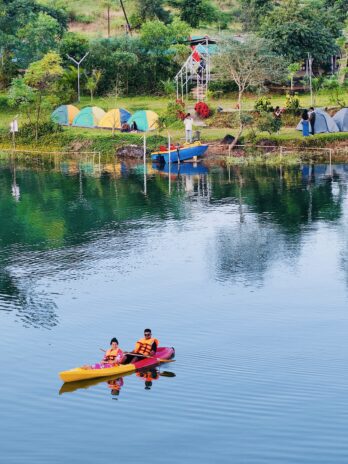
<point x="195" y="74"/>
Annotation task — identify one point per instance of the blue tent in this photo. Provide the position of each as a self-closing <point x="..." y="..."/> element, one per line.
<point x="323" y="122"/>
<point x="341" y="119"/>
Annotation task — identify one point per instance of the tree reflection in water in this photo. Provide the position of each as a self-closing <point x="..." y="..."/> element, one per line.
<point x="70" y="214"/>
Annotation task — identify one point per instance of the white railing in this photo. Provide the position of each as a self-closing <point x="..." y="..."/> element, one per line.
<point x="192" y="71"/>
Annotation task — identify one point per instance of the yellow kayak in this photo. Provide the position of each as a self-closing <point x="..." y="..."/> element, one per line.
<point x="81" y="373"/>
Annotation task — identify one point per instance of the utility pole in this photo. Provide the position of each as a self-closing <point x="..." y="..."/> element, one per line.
<point x="126" y="18"/>
<point x="310" y="76"/>
<point x="77" y="63"/>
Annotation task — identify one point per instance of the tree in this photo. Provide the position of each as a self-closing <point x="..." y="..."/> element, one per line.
<point x="73" y="44"/>
<point x="293" y="68"/>
<point x="36" y="92"/>
<point x="194" y="12"/>
<point x="295" y="28"/>
<point x="249" y="64"/>
<point x="252" y="12"/>
<point x="108" y="4"/>
<point x="40" y="36"/>
<point x="149" y="10"/>
<point x="342" y="42"/>
<point x="92" y="81"/>
<point x="28" y="29"/>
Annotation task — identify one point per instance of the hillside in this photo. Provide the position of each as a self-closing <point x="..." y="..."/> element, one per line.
<point x="90" y="17"/>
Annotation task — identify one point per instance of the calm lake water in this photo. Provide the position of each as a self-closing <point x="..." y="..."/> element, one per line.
<point x="244" y="271"/>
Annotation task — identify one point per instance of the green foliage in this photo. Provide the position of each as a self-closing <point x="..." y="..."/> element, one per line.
<point x="292" y="103"/>
<point x="149" y="10"/>
<point x="28" y="29"/>
<point x="249" y="63"/>
<point x="43" y="73"/>
<point x="92" y="81"/>
<point x="263" y="104"/>
<point x="195" y="12"/>
<point x="295" y="28"/>
<point x="35" y="94"/>
<point x="28" y="130"/>
<point x="40" y="36"/>
<point x="268" y="123"/>
<point x="336" y="91"/>
<point x="252" y="12"/>
<point x="168" y="87"/>
<point x="74" y="45"/>
<point x="175" y="112"/>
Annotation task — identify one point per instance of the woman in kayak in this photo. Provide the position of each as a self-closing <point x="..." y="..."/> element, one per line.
<point x="113" y="355"/>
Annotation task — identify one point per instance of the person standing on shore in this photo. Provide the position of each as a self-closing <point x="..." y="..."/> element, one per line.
<point x="188" y="122"/>
<point x="311" y="116"/>
<point x="305" y="123"/>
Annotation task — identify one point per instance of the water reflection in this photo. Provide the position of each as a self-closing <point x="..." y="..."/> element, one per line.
<point x="115" y="384"/>
<point x="62" y="216"/>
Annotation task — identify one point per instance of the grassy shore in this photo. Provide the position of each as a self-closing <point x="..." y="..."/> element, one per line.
<point x="104" y="141"/>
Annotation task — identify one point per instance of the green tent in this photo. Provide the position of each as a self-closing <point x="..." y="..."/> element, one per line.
<point x="89" y="117"/>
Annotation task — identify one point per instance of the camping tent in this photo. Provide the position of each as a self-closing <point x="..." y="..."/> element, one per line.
<point x="323" y="122"/>
<point x="144" y="120"/>
<point x="89" y="117"/>
<point x="64" y="114"/>
<point x="341" y="119"/>
<point x="114" y="119"/>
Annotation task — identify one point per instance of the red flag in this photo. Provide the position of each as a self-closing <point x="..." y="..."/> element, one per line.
<point x="196" y="56"/>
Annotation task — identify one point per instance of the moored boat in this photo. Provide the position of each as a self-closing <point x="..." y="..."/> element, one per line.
<point x="189" y="151"/>
<point x="163" y="354"/>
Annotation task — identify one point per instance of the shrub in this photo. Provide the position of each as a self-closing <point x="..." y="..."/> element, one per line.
<point x="175" y="111"/>
<point x="27" y="131"/>
<point x="268" y="123"/>
<point x="292" y="102"/>
<point x="263" y="104"/>
<point x="202" y="109"/>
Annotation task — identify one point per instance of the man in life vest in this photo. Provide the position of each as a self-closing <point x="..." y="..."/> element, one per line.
<point x="144" y="347"/>
<point x="148" y="377"/>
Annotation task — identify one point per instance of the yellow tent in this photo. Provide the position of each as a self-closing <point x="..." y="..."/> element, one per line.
<point x="114" y="119"/>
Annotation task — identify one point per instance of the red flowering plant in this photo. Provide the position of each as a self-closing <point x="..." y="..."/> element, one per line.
<point x="202" y="109"/>
<point x="181" y="109"/>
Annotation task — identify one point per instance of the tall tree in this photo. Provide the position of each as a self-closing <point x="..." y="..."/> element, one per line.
<point x="36" y="91"/>
<point x="194" y="12"/>
<point x="249" y="64"/>
<point x="294" y="28"/>
<point x="151" y="10"/>
<point x="252" y="12"/>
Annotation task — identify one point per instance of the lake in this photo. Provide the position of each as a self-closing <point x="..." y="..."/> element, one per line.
<point x="243" y="270"/>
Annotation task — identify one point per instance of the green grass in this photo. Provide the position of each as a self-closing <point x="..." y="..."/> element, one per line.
<point x="287" y="135"/>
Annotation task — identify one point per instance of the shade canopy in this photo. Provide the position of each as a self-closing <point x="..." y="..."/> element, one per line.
<point x="89" y="117"/>
<point x="114" y="119"/>
<point x="144" y="120"/>
<point x="64" y="114"/>
<point x="341" y="119"/>
<point x="323" y="122"/>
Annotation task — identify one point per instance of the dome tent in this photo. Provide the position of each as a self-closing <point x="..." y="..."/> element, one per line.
<point x="114" y="119"/>
<point x="144" y="120"/>
<point x="341" y="119"/>
<point x="88" y="117"/>
<point x="323" y="122"/>
<point x="64" y="114"/>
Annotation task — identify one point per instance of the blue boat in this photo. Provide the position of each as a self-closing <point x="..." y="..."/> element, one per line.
<point x="184" y="169"/>
<point x="190" y="151"/>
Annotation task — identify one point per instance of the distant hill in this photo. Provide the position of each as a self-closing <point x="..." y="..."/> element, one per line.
<point x="90" y="16"/>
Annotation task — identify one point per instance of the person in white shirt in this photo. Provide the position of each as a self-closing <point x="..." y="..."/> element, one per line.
<point x="188" y="121"/>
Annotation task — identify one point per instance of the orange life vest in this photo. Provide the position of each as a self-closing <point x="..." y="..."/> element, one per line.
<point x="111" y="354"/>
<point x="144" y="345"/>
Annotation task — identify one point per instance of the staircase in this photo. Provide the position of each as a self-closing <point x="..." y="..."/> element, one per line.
<point x="194" y="76"/>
